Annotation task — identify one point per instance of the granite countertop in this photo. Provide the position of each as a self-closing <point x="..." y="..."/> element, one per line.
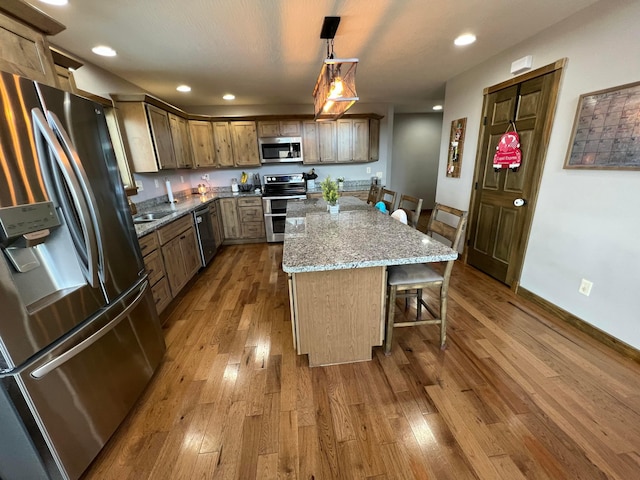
<point x="357" y="237"/>
<point x="183" y="206"/>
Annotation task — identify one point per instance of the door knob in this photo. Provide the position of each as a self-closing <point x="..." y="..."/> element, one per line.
<point x="518" y="202"/>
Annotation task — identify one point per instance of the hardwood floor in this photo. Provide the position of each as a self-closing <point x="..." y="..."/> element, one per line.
<point x="517" y="394"/>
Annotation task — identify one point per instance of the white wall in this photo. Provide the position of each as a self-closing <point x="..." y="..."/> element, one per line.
<point x="416" y="147"/>
<point x="586" y="223"/>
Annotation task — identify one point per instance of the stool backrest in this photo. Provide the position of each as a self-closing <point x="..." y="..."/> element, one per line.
<point x="374" y="193"/>
<point x="451" y="233"/>
<point x="412" y="206"/>
<point x="388" y="197"/>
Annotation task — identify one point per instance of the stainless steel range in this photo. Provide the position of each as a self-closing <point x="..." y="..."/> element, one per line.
<point x="277" y="191"/>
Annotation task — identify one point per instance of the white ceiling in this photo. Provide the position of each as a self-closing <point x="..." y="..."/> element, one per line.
<point x="270" y="51"/>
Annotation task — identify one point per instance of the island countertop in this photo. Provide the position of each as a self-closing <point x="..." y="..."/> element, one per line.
<point x="357" y="237"/>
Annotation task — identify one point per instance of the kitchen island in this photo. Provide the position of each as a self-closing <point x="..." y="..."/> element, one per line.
<point x="337" y="275"/>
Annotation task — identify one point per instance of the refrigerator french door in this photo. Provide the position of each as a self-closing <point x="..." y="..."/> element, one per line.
<point x="79" y="335"/>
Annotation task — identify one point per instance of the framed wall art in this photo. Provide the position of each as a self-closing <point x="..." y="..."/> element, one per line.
<point x="606" y="130"/>
<point x="456" y="142"/>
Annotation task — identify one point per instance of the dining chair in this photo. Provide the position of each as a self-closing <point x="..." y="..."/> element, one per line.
<point x="388" y="197"/>
<point x="412" y="206"/>
<point x="405" y="278"/>
<point x="374" y="192"/>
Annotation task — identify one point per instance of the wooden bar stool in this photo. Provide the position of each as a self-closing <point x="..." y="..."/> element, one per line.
<point x="404" y="278"/>
<point x="412" y="206"/>
<point x="374" y="193"/>
<point x="388" y="197"/>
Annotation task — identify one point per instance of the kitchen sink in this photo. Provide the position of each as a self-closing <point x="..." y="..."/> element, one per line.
<point x="150" y="217"/>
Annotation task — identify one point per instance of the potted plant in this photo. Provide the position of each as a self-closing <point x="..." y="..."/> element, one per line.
<point x="330" y="194"/>
<point x="340" y="183"/>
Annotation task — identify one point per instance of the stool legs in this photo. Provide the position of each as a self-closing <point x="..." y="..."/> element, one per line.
<point x="391" y="310"/>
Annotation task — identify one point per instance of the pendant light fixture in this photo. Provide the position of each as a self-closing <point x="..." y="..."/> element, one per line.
<point x="335" y="90"/>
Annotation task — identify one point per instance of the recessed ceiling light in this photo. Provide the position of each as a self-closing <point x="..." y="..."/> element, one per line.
<point x="183" y="88"/>
<point x="104" y="51"/>
<point x="437" y="107"/>
<point x="466" y="39"/>
<point x="55" y="2"/>
<point x="229" y="96"/>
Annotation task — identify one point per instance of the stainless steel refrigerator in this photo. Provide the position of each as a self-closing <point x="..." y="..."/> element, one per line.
<point x="79" y="335"/>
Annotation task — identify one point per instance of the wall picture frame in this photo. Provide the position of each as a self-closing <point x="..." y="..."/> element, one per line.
<point x="606" y="130"/>
<point x="456" y="144"/>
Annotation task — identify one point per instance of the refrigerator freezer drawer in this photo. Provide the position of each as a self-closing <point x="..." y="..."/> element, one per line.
<point x="79" y="404"/>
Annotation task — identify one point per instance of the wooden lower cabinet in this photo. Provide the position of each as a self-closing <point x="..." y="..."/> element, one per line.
<point x="230" y="220"/>
<point x="149" y="246"/>
<point x="242" y="219"/>
<point x="216" y="223"/>
<point x="180" y="254"/>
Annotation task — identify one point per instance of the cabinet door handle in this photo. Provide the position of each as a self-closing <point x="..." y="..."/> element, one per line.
<point x="183" y="237"/>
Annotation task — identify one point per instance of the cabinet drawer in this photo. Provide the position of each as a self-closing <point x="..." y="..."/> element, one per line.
<point x="250" y="202"/>
<point x="250" y="214"/>
<point x="161" y="295"/>
<point x="148" y="243"/>
<point x="155" y="266"/>
<point x="253" y="230"/>
<point x="174" y="229"/>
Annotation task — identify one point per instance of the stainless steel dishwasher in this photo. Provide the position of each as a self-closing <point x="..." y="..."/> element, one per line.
<point x="206" y="240"/>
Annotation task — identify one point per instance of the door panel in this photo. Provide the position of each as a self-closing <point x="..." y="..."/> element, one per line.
<point x="86" y="125"/>
<point x="499" y="230"/>
<point x="80" y="403"/>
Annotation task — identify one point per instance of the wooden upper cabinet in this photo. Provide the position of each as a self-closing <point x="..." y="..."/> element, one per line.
<point x="374" y="140"/>
<point x="345" y="140"/>
<point x="222" y="142"/>
<point x="353" y="140"/>
<point x="148" y="132"/>
<point x="310" y="142"/>
<point x="244" y="140"/>
<point x="161" y="133"/>
<point x="202" y="143"/>
<point x="279" y="128"/>
<point x="179" y="127"/>
<point x="24" y="47"/>
<point x="327" y="142"/>
<point x="360" y="140"/>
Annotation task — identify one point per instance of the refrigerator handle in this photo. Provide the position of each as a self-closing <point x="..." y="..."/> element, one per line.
<point x="87" y="342"/>
<point x="45" y="132"/>
<point x="82" y="178"/>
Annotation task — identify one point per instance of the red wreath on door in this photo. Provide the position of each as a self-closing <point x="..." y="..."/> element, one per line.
<point x="508" y="153"/>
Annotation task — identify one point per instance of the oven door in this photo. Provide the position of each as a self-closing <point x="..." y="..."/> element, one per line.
<point x="275" y="214"/>
<point x="274" y="224"/>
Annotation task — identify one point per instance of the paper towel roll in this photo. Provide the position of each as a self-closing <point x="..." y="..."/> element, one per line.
<point x="169" y="192"/>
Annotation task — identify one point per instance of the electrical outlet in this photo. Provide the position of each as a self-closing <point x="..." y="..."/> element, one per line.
<point x="157" y="183"/>
<point x="205" y="176"/>
<point x="379" y="174"/>
<point x="585" y="287"/>
<point x="139" y="185"/>
<point x="368" y="169"/>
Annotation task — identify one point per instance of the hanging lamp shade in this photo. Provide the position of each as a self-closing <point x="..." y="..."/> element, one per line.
<point x="335" y="90"/>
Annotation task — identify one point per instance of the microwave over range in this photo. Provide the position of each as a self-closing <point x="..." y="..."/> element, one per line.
<point x="280" y="149"/>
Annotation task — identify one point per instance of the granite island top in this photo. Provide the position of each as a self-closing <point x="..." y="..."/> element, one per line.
<point x="357" y="237"/>
<point x="183" y="206"/>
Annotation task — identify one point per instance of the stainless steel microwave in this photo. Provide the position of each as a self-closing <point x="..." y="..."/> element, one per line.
<point x="280" y="149"/>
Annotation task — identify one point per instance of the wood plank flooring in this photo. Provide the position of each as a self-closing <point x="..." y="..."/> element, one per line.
<point x="516" y="395"/>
